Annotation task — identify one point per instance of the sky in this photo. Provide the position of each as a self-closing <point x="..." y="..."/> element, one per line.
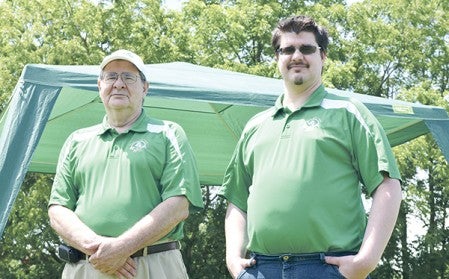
<point x="173" y="4"/>
<point x="177" y="4"/>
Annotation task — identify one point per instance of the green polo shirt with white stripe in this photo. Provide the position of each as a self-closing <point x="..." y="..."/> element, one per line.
<point x="299" y="175"/>
<point x="112" y="180"/>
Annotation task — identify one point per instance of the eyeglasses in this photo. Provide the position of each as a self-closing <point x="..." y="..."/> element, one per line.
<point x="304" y="49"/>
<point x="127" y="78"/>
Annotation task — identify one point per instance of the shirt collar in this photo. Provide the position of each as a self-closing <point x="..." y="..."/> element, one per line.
<point x="315" y="99"/>
<point x="140" y="125"/>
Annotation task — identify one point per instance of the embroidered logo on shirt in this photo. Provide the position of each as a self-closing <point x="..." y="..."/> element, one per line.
<point x="138" y="146"/>
<point x="313" y="123"/>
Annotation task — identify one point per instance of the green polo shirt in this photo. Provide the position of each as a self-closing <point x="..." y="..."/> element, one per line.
<point x="112" y="180"/>
<point x="298" y="175"/>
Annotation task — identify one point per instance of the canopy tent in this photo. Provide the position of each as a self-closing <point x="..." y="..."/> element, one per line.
<point x="212" y="105"/>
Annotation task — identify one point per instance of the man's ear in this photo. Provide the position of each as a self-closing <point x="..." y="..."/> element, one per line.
<point x="323" y="55"/>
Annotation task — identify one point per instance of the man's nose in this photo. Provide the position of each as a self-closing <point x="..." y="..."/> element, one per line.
<point x="119" y="82"/>
<point x="297" y="54"/>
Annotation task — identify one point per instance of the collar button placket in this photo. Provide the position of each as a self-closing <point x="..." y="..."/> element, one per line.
<point x="287" y="131"/>
<point x="114" y="151"/>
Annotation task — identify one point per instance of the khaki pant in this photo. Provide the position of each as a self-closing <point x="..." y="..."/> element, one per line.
<point x="163" y="265"/>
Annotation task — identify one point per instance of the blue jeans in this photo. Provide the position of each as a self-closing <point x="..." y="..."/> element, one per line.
<point x="292" y="266"/>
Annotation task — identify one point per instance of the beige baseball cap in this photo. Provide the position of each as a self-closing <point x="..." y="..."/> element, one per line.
<point x="123" y="54"/>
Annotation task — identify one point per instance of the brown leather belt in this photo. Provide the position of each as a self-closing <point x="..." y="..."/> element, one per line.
<point x="153" y="249"/>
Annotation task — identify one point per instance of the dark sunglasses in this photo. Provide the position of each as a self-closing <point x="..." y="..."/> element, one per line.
<point x="304" y="49"/>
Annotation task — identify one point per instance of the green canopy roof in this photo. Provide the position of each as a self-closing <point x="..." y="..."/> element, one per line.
<point x="212" y="105"/>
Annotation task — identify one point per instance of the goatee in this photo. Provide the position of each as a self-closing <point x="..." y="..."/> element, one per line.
<point x="298" y="81"/>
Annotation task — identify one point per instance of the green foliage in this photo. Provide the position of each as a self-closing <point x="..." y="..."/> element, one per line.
<point x="28" y="243"/>
<point x="425" y="175"/>
<point x="232" y="40"/>
<point x="204" y="243"/>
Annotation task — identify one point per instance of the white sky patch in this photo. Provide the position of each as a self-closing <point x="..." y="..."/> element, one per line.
<point x="173" y="4"/>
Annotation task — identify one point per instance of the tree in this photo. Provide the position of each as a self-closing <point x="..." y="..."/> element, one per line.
<point x="428" y="193"/>
<point x="204" y="242"/>
<point x="233" y="41"/>
<point x="28" y="247"/>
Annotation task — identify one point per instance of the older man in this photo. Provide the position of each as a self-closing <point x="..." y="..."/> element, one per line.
<point x="123" y="187"/>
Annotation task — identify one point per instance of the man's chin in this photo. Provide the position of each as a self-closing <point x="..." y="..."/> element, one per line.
<point x="117" y="104"/>
<point x="298" y="81"/>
